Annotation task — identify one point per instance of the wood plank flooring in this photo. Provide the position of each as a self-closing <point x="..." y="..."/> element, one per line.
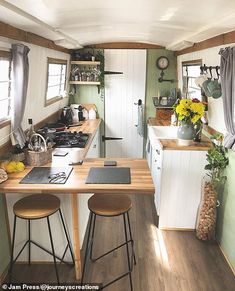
<point x="166" y="260"/>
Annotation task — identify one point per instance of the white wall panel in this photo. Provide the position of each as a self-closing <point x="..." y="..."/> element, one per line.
<point x="35" y="108"/>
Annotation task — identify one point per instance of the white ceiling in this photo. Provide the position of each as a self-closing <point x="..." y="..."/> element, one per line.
<point x="83" y="22"/>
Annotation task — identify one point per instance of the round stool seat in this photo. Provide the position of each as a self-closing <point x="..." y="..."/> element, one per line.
<point x="109" y="205"/>
<point x="36" y="206"/>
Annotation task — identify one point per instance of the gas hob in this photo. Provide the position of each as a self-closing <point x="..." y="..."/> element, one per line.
<point x="70" y="139"/>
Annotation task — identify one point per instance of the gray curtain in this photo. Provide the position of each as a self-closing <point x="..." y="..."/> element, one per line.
<point x="20" y="84"/>
<point x="227" y="71"/>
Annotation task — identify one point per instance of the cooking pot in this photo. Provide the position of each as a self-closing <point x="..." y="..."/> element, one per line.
<point x="55" y="127"/>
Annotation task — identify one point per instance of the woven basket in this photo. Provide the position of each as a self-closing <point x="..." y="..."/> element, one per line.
<point x="38" y="158"/>
<point x="34" y="158"/>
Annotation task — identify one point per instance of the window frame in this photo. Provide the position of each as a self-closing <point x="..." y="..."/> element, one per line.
<point x="197" y="62"/>
<point x="7" y="56"/>
<point x="59" y="62"/>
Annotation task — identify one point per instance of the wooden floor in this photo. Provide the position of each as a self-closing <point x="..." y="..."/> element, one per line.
<point x="166" y="260"/>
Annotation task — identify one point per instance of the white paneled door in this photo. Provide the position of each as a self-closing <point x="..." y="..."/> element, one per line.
<point x="122" y="92"/>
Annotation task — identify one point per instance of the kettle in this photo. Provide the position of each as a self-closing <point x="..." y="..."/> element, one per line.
<point x="80" y="113"/>
<point x="66" y="116"/>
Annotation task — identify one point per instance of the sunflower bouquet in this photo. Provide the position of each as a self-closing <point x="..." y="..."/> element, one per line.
<point x="189" y="111"/>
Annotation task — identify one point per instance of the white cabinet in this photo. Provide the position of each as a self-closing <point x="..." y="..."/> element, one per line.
<point x="156" y="170"/>
<point x="94" y="150"/>
<point x="177" y="178"/>
<point x="83" y="211"/>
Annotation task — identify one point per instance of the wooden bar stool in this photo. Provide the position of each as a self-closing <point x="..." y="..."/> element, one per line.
<point x="109" y="206"/>
<point x="34" y="207"/>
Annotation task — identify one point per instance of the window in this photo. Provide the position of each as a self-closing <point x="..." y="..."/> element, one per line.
<point x="191" y="70"/>
<point x="5" y="85"/>
<point x="56" y="80"/>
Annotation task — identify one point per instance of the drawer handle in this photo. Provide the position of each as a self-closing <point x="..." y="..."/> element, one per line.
<point x="158" y="168"/>
<point x="158" y="152"/>
<point x="94" y="146"/>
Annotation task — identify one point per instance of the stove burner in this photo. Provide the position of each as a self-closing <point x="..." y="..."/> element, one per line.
<point x="70" y="139"/>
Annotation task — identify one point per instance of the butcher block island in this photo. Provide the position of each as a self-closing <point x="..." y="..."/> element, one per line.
<point x="73" y="195"/>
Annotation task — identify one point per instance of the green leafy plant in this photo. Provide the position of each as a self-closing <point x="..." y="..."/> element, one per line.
<point x="217" y="160"/>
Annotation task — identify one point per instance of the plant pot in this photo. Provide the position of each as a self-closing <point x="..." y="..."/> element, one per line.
<point x="185" y="134"/>
<point x="207" y="211"/>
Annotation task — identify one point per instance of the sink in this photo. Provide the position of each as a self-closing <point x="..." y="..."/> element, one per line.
<point x="163" y="132"/>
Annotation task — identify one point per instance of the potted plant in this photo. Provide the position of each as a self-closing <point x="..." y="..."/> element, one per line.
<point x="217" y="161"/>
<point x="189" y="113"/>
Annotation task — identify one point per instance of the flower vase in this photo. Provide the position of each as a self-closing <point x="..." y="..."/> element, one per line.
<point x="185" y="133"/>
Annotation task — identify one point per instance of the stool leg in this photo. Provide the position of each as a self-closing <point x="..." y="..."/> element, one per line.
<point x="53" y="250"/>
<point x="29" y="230"/>
<point x="92" y="237"/>
<point x="12" y="249"/>
<point x="67" y="237"/>
<point x="87" y="244"/>
<point x="127" y="251"/>
<point x="132" y="241"/>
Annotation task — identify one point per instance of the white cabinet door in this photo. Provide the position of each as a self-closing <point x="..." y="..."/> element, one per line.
<point x="122" y="92"/>
<point x="181" y="188"/>
<point x="157" y="156"/>
<point x="94" y="150"/>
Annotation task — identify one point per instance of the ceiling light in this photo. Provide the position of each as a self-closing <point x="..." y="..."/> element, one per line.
<point x="67" y="43"/>
<point x="180" y="45"/>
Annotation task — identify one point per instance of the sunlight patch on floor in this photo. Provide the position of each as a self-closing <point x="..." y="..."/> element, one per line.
<point x="160" y="247"/>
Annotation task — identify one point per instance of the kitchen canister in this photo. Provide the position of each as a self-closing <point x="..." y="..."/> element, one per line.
<point x="74" y="108"/>
<point x="92" y="114"/>
<point x="75" y="155"/>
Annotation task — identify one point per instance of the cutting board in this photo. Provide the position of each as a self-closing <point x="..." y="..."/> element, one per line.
<point x="109" y="175"/>
<point x="43" y="175"/>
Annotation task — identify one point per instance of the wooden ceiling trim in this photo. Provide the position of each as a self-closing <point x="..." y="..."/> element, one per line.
<point x="125" y="45"/>
<point x="222" y="39"/>
<point x="12" y="32"/>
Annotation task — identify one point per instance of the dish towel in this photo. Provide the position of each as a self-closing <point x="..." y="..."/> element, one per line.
<point x="140" y="126"/>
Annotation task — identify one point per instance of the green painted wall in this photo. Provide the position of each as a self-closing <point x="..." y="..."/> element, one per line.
<point x="4" y="243"/>
<point x="226" y="213"/>
<point x="153" y="87"/>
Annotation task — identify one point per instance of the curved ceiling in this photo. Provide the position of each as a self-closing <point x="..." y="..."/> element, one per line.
<point x="87" y="22"/>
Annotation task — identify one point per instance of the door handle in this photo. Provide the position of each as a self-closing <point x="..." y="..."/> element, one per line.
<point x="104" y="138"/>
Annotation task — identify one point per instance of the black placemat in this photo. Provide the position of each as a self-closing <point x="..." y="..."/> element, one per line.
<point x="46" y="175"/>
<point x="115" y="175"/>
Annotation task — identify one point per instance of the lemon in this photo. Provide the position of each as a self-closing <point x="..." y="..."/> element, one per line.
<point x="10" y="168"/>
<point x="13" y="166"/>
<point x="20" y="166"/>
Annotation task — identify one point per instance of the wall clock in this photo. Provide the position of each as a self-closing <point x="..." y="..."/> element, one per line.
<point x="162" y="63"/>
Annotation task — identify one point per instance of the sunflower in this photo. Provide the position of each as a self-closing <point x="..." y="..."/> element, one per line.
<point x="189" y="110"/>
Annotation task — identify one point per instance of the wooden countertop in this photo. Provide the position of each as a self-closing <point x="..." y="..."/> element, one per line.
<point x="154" y="122"/>
<point x="88" y="126"/>
<point x="141" y="180"/>
<point x="172" y="144"/>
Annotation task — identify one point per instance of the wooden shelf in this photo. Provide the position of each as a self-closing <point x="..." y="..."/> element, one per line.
<point x="90" y="63"/>
<point x="83" y="83"/>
